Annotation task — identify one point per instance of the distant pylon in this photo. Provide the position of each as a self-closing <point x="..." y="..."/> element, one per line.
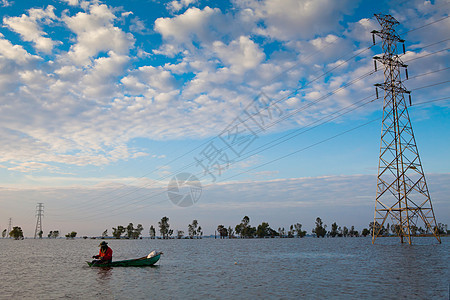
<point x="402" y="192"/>
<point x="39" y="213"/>
<point x="9" y="227"/>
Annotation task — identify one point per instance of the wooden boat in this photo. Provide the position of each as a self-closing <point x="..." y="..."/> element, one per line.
<point x="138" y="262"/>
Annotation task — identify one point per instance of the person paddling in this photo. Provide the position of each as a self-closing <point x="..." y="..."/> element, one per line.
<point x="105" y="254"/>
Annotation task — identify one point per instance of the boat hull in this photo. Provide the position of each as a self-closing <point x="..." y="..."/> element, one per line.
<point x="139" y="262"/>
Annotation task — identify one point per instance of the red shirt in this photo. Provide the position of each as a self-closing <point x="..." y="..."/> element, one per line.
<point x="107" y="255"/>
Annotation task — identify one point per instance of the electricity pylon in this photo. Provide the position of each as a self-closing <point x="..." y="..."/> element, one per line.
<point x="9" y="227"/>
<point x="39" y="213"/>
<point x="402" y="192"/>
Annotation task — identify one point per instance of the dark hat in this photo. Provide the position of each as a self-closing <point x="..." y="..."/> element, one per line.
<point x="103" y="244"/>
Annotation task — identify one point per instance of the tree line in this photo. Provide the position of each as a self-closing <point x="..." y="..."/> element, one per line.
<point x="129" y="232"/>
<point x="241" y="230"/>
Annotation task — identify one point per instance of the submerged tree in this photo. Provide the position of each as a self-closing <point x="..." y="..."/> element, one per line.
<point x="117" y="232"/>
<point x="152" y="232"/>
<point x="244" y="229"/>
<point x="130" y="230"/>
<point x="320" y="230"/>
<point x="105" y="233"/>
<point x="71" y="235"/>
<point x="4" y="233"/>
<point x="164" y="227"/>
<point x="365" y="232"/>
<point x="53" y="234"/>
<point x="16" y="233"/>
<point x="263" y="230"/>
<point x="223" y="232"/>
<point x="230" y="232"/>
<point x="298" y="230"/>
<point x="334" y="230"/>
<point x="137" y="231"/>
<point x="194" y="229"/>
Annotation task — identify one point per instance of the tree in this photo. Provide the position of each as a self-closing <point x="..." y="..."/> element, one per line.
<point x="71" y="235"/>
<point x="194" y="226"/>
<point x="4" y="233"/>
<point x="16" y="233"/>
<point x="365" y="232"/>
<point x="230" y="232"/>
<point x="164" y="227"/>
<point x="180" y="234"/>
<point x="281" y="232"/>
<point x="238" y="230"/>
<point x="223" y="232"/>
<point x="53" y="234"/>
<point x="320" y="229"/>
<point x="105" y="233"/>
<point x="353" y="232"/>
<point x="298" y="229"/>
<point x="199" y="232"/>
<point x="191" y="231"/>
<point x="130" y="230"/>
<point x="244" y="229"/>
<point x="137" y="231"/>
<point x="379" y="230"/>
<point x="117" y="232"/>
<point x="345" y="231"/>
<point x="40" y="234"/>
<point x="334" y="230"/>
<point x="152" y="232"/>
<point x="263" y="230"/>
<point x="291" y="231"/>
<point x="194" y="229"/>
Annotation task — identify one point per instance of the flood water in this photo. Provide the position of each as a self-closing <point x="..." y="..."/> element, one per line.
<point x="308" y="268"/>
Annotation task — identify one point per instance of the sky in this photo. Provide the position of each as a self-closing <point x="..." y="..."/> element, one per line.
<point x="104" y="104"/>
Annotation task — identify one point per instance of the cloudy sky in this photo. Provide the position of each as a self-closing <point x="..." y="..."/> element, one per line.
<point x="102" y="103"/>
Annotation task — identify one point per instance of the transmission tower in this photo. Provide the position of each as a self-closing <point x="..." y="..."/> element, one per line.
<point x="9" y="227"/>
<point x="402" y="193"/>
<point x="39" y="214"/>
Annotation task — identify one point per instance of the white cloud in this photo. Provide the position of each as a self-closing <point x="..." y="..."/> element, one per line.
<point x="293" y="19"/>
<point x="175" y="5"/>
<point x="84" y="106"/>
<point x="28" y="27"/>
<point x="6" y="3"/>
<point x="239" y="55"/>
<point x="96" y="33"/>
<point x="194" y="24"/>
<point x="14" y="53"/>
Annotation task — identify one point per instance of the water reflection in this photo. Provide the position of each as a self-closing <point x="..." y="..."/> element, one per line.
<point x="104" y="274"/>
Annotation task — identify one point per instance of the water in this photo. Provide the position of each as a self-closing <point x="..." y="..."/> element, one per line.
<point x="310" y="268"/>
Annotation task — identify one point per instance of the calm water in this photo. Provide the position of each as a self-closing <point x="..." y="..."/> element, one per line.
<point x="346" y="268"/>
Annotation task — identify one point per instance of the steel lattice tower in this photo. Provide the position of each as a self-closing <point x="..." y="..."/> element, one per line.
<point x="402" y="192"/>
<point x="39" y="214"/>
<point x="9" y="227"/>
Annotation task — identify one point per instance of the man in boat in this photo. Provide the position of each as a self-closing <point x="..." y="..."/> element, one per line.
<point x="105" y="254"/>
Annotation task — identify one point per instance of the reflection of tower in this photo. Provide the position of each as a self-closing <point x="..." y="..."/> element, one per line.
<point x="39" y="213"/>
<point x="402" y="192"/>
<point x="9" y="227"/>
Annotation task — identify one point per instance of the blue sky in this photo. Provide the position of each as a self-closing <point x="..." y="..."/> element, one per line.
<point x="103" y="102"/>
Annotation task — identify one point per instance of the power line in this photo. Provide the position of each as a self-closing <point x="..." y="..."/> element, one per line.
<point x="435" y="100"/>
<point x="284" y="98"/>
<point x="271" y="104"/>
<point x="426" y="55"/>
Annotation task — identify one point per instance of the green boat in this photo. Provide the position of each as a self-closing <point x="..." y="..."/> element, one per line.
<point x="138" y="262"/>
